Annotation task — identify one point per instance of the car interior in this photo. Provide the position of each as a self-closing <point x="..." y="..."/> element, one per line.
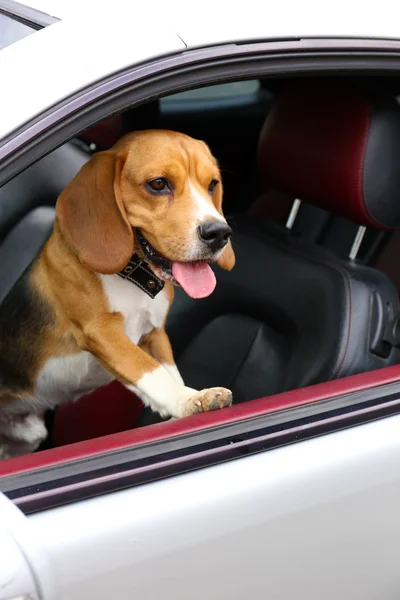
<point x="311" y="179"/>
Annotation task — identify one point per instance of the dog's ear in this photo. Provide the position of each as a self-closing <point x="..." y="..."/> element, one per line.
<point x="92" y="217"/>
<point x="227" y="259"/>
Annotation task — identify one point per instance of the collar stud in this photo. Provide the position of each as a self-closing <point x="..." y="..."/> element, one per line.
<point x="139" y="272"/>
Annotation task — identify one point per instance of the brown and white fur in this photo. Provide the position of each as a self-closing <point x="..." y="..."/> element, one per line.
<point x="71" y="324"/>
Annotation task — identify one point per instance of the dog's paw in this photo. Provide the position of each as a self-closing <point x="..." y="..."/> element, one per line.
<point x="210" y="399"/>
<point x="21" y="435"/>
<point x="14" y="449"/>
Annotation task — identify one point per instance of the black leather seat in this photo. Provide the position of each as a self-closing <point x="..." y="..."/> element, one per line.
<point x="290" y="316"/>
<point x="292" y="313"/>
<point x="27" y="210"/>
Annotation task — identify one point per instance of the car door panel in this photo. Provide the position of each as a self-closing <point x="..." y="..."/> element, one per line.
<point x="312" y="519"/>
<point x="25" y="572"/>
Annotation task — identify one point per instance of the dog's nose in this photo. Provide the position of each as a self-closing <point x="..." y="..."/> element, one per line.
<point x="215" y="234"/>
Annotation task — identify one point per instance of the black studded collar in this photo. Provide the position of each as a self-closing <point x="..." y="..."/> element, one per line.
<point x="139" y="272"/>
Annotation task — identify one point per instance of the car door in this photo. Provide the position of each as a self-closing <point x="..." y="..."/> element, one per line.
<point x="25" y="571"/>
<point x="291" y="495"/>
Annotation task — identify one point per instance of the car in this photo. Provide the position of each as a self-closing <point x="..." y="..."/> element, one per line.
<point x="294" y="490"/>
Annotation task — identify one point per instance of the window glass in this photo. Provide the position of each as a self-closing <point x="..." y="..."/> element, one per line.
<point x="236" y="89"/>
<point x="12" y="31"/>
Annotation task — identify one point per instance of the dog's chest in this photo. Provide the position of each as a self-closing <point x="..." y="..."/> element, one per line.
<point x="67" y="378"/>
<point x="142" y="313"/>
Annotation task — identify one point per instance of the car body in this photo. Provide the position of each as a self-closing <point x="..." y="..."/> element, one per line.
<point x="295" y="495"/>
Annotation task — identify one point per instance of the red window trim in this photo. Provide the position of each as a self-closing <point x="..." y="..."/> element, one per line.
<point x="169" y="429"/>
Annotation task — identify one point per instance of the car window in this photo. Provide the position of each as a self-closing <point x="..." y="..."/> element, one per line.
<point x="224" y="94"/>
<point x="12" y="31"/>
<point x="222" y="90"/>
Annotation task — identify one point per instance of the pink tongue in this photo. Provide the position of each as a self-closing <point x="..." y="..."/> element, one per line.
<point x="197" y="278"/>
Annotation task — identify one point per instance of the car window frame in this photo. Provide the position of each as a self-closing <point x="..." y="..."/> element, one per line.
<point x="31" y="17"/>
<point x="176" y="103"/>
<point x="183" y="71"/>
<point x="19" y="30"/>
<point x="53" y="486"/>
<point x="147" y="82"/>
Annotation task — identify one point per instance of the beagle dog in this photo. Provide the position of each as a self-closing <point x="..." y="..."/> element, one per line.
<point x="135" y="221"/>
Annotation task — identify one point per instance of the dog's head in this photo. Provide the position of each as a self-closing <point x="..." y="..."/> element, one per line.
<point x="157" y="193"/>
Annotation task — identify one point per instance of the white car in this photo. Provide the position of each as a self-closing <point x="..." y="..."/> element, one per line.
<point x="294" y="491"/>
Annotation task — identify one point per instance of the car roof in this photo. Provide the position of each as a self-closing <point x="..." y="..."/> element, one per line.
<point x="58" y="61"/>
<point x="220" y="21"/>
<point x="96" y="39"/>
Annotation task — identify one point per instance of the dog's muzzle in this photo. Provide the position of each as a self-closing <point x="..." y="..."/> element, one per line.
<point x="215" y="234"/>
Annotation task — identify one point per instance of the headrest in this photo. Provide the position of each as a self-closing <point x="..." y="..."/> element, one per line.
<point x="105" y="134"/>
<point x="337" y="146"/>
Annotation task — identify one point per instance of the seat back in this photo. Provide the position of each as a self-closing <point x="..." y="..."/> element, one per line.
<point x="27" y="210"/>
<point x="293" y="313"/>
<point x="290" y="315"/>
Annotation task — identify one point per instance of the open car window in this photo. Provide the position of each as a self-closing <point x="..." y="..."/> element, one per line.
<point x="220" y="96"/>
<point x="255" y="342"/>
<point x="303" y="330"/>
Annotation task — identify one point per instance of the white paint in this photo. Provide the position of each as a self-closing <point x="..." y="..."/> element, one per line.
<point x="250" y="20"/>
<point x="311" y="520"/>
<point x="27" y="64"/>
<point x="16" y="579"/>
<point x="33" y="578"/>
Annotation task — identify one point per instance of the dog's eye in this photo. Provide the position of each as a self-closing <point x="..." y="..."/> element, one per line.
<point x="159" y="185"/>
<point x="213" y="186"/>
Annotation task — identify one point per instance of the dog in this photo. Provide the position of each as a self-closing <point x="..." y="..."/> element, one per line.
<point x="136" y="221"/>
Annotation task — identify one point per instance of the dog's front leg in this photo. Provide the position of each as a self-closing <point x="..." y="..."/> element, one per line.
<point x="157" y="344"/>
<point x="156" y="385"/>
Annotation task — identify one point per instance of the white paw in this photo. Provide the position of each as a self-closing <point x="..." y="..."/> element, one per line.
<point x="21" y="436"/>
<point x="174" y="372"/>
<point x="206" y="400"/>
